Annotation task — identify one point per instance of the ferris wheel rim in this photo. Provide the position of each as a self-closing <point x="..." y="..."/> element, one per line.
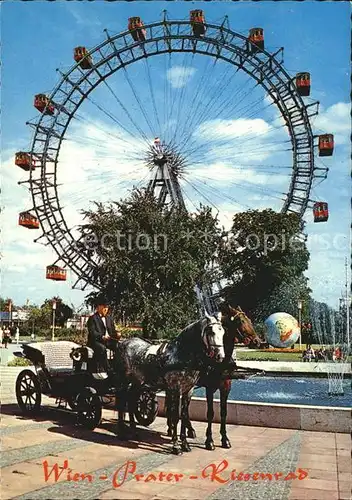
<point x="56" y="220"/>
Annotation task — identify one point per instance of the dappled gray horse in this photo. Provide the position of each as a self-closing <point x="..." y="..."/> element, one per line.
<point x="238" y="328"/>
<point x="174" y="366"/>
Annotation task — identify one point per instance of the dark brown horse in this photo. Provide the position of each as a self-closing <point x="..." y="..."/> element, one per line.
<point x="238" y="328"/>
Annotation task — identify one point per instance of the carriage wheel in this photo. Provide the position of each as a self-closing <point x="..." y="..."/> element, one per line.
<point x="28" y="392"/>
<point x="89" y="409"/>
<point x="146" y="408"/>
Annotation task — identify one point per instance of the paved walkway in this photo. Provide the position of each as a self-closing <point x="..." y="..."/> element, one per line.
<point x="28" y="443"/>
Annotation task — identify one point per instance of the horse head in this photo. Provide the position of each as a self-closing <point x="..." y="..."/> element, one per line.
<point x="238" y="326"/>
<point x="212" y="336"/>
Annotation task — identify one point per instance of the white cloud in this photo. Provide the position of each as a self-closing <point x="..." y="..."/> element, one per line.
<point x="180" y="76"/>
<point x="83" y="20"/>
<point x="228" y="129"/>
<point x="336" y="120"/>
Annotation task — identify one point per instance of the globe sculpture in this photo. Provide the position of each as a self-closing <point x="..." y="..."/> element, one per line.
<point x="281" y="330"/>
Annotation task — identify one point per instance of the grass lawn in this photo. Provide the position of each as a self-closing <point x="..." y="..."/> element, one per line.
<point x="251" y="355"/>
<point x="268" y="356"/>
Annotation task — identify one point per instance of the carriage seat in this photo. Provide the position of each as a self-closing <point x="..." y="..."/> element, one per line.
<point x="56" y="355"/>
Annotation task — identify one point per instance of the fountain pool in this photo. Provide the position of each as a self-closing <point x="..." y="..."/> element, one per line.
<point x="287" y="390"/>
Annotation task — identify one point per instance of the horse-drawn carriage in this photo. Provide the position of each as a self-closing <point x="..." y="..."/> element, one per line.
<point x="200" y="354"/>
<point x="65" y="371"/>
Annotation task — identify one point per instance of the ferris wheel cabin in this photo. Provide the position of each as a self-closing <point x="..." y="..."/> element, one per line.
<point x="81" y="56"/>
<point x="26" y="219"/>
<point x="23" y="160"/>
<point x="43" y="104"/>
<point x="303" y="84"/>
<point x="135" y="26"/>
<point x="320" y="211"/>
<point x="326" y="145"/>
<point x="197" y="21"/>
<point x="55" y="273"/>
<point x="256" y="37"/>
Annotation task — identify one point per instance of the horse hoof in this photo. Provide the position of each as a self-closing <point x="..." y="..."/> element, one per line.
<point x="225" y="443"/>
<point x="209" y="445"/>
<point x="191" y="433"/>
<point x="185" y="446"/>
<point x="176" y="450"/>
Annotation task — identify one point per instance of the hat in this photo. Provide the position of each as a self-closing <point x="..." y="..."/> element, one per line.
<point x="101" y="300"/>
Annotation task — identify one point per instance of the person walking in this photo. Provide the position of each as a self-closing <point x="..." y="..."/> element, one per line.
<point x="6" y="336"/>
<point x="17" y="335"/>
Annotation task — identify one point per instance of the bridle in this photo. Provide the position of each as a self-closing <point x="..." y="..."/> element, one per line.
<point x="245" y="340"/>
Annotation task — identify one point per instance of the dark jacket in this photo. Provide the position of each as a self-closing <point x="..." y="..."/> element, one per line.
<point x="96" y="329"/>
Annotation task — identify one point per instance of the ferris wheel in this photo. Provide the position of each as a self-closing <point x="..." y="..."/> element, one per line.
<point x="191" y="110"/>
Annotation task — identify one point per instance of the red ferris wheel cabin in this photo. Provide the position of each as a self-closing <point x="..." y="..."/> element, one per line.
<point x="82" y="57"/>
<point x="320" y="211"/>
<point x="197" y="21"/>
<point x="135" y="26"/>
<point x="23" y="160"/>
<point x="26" y="219"/>
<point x="256" y="37"/>
<point x="43" y="104"/>
<point x="326" y="145"/>
<point x="303" y="83"/>
<point x="55" y="273"/>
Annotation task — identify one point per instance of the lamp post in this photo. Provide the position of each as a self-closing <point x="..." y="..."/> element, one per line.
<point x="54" y="310"/>
<point x="10" y="312"/>
<point x="300" y="322"/>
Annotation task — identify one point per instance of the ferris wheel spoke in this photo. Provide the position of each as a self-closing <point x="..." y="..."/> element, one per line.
<point x="166" y="94"/>
<point x="84" y="119"/>
<point x="150" y="84"/>
<point x="222" y="153"/>
<point x="128" y="114"/>
<point x="202" y="194"/>
<point x="260" y="169"/>
<point x="141" y="107"/>
<point x="179" y="125"/>
<point x="214" y="134"/>
<point x="250" y="132"/>
<point x="221" y="193"/>
<point x="196" y="93"/>
<point x="196" y="99"/>
<point x="212" y="108"/>
<point x="98" y="144"/>
<point x="248" y="185"/>
<point x="175" y="85"/>
<point x="207" y="96"/>
<point x="109" y="115"/>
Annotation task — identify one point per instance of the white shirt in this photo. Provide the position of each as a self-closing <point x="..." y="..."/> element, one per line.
<point x="104" y="321"/>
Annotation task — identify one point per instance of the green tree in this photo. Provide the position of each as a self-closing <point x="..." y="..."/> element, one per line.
<point x="150" y="258"/>
<point x="4" y="304"/>
<point x="42" y="317"/>
<point x="284" y="298"/>
<point x="62" y="313"/>
<point x="263" y="259"/>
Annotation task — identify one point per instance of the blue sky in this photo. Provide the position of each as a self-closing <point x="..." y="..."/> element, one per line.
<point x="39" y="37"/>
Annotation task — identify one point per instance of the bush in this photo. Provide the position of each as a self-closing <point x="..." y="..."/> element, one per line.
<point x="167" y="334"/>
<point x="73" y="335"/>
<point x="19" y="362"/>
